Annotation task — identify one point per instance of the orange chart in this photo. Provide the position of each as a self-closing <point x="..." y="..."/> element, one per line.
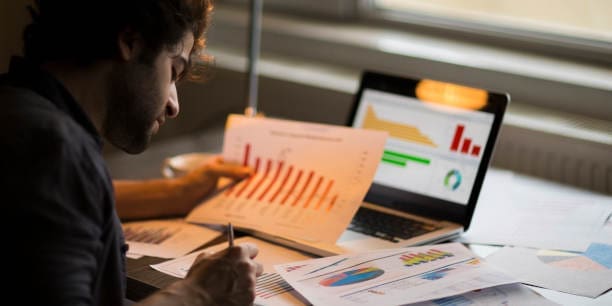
<point x="397" y="130"/>
<point x="284" y="185"/>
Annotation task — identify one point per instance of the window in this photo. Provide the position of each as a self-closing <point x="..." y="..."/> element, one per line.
<point x="543" y="60"/>
<point x="583" y="25"/>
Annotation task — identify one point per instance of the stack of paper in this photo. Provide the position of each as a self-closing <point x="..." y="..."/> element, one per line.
<point x="446" y="274"/>
<point x="392" y="277"/>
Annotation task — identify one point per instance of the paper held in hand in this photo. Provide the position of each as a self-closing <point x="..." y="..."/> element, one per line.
<point x="309" y="178"/>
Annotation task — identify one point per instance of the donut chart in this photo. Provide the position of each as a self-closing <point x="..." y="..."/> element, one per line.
<point x="352" y="277"/>
<point x="452" y="179"/>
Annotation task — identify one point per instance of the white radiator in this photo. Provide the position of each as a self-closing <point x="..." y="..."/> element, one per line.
<point x="559" y="147"/>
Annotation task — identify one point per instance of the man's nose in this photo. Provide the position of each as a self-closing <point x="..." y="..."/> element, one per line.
<point x="172" y="107"/>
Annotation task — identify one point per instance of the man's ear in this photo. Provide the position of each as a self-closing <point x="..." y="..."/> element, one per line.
<point x="130" y="44"/>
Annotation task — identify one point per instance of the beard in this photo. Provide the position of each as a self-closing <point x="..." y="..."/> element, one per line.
<point x="134" y="103"/>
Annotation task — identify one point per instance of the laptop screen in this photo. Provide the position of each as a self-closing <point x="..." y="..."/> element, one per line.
<point x="441" y="137"/>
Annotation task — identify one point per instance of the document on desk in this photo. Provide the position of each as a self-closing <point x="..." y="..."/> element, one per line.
<point x="581" y="274"/>
<point x="392" y="276"/>
<point x="165" y="238"/>
<point x="504" y="295"/>
<point x="270" y="289"/>
<point x="507" y="215"/>
<point x="309" y="178"/>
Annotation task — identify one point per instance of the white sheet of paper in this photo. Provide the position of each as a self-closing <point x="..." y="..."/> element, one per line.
<point x="310" y="178"/>
<point x="391" y="277"/>
<point x="270" y="290"/>
<point x="507" y="214"/>
<point x="513" y="294"/>
<point x="133" y="255"/>
<point x="165" y="238"/>
<point x="567" y="274"/>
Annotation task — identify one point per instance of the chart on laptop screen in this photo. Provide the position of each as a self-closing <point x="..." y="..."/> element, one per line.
<point x="432" y="149"/>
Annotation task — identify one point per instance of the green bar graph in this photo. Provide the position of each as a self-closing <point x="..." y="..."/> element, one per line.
<point x="400" y="159"/>
<point x="394" y="162"/>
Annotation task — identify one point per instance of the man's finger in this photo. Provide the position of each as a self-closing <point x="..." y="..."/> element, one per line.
<point x="227" y="170"/>
<point x="258" y="269"/>
<point x="250" y="249"/>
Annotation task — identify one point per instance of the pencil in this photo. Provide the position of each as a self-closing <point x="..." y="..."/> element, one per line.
<point x="230" y="234"/>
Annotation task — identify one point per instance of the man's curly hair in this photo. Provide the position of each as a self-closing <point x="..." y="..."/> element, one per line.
<point x="83" y="31"/>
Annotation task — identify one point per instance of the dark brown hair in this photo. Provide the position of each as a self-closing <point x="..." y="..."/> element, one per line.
<point x="83" y="31"/>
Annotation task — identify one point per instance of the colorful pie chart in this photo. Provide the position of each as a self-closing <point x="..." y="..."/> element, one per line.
<point x="352" y="277"/>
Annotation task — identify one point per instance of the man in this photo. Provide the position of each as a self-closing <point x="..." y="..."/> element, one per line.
<point x="92" y="70"/>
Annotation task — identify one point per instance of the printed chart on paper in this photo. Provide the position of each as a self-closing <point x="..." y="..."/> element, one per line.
<point x="391" y="277"/>
<point x="309" y="178"/>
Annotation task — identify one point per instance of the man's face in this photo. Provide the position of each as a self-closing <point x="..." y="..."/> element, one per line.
<point x="142" y="95"/>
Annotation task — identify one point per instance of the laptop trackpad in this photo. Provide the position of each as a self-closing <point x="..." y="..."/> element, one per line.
<point x="349" y="235"/>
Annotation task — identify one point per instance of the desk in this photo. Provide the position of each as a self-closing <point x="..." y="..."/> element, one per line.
<point x="143" y="280"/>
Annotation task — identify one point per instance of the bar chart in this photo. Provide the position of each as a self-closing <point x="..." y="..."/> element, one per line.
<point x="277" y="184"/>
<point x="148" y="235"/>
<point x="308" y="178"/>
<point x="464" y="144"/>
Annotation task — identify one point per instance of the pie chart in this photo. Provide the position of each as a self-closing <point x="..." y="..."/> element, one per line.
<point x="352" y="277"/>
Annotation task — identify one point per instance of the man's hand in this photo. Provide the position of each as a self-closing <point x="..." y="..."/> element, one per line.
<point x="227" y="277"/>
<point x="200" y="182"/>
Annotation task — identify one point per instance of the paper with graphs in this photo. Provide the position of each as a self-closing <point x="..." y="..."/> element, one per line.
<point x="165" y="238"/>
<point x="309" y="178"/>
<point x="391" y="277"/>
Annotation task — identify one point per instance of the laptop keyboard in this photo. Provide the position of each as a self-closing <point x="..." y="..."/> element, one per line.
<point x="386" y="226"/>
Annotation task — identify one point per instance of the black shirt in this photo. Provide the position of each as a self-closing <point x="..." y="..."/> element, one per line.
<point x="63" y="240"/>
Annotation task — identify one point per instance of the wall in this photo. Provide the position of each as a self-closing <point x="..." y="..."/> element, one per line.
<point x="13" y="17"/>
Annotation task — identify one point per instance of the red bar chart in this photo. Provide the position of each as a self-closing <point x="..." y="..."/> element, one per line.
<point x="462" y="144"/>
<point x="302" y="188"/>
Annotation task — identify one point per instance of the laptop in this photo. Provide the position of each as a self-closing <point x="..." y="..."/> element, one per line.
<point x="441" y="138"/>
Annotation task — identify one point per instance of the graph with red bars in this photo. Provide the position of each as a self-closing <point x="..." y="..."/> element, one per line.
<point x="299" y="187"/>
<point x="308" y="179"/>
<point x="464" y="145"/>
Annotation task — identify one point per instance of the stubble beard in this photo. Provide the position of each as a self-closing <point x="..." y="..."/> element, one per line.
<point x="132" y="107"/>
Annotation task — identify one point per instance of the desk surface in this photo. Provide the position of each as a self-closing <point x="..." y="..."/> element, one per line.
<point x="143" y="280"/>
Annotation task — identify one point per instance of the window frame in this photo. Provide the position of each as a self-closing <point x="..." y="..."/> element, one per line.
<point x="531" y="40"/>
